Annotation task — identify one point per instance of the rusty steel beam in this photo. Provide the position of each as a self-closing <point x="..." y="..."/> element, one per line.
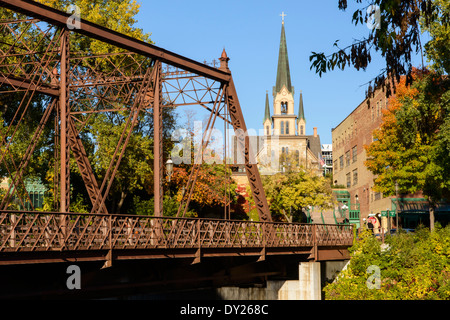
<point x="84" y="166"/>
<point x="92" y="30"/>
<point x="157" y="143"/>
<point x="64" y="105"/>
<point x="27" y="85"/>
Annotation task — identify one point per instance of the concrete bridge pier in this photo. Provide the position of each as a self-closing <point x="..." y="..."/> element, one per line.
<point x="311" y="278"/>
<point x="309" y="281"/>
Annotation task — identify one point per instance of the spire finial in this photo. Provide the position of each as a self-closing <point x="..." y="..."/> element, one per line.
<point x="282" y="17"/>
<point x="224" y="60"/>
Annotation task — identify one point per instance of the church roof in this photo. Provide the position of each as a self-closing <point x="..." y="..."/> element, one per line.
<point x="283" y="73"/>
<point x="267" y="112"/>
<point x="301" y="111"/>
<point x="314" y="144"/>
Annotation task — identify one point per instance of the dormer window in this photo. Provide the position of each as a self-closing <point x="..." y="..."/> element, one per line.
<point x="284" y="108"/>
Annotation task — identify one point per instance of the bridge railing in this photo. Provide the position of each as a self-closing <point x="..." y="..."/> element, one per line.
<point x="48" y="231"/>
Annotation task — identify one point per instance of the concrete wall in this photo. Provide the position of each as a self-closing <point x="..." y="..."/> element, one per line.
<point x="312" y="278"/>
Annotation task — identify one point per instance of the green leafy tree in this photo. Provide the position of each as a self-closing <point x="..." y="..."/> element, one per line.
<point x="411" y="148"/>
<point x="117" y="15"/>
<point x="291" y="191"/>
<point x="437" y="49"/>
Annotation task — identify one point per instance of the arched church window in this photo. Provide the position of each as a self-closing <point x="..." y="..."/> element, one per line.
<point x="287" y="127"/>
<point x="282" y="127"/>
<point x="267" y="130"/>
<point x="282" y="150"/>
<point x="301" y="130"/>
<point x="283" y="107"/>
<point x="287" y="150"/>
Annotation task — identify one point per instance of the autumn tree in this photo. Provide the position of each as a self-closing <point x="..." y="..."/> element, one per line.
<point x="213" y="189"/>
<point x="411" y="147"/>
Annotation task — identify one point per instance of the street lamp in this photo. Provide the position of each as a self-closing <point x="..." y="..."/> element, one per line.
<point x="169" y="168"/>
<point x="344" y="208"/>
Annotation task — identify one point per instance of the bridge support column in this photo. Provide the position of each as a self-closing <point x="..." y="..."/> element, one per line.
<point x="309" y="281"/>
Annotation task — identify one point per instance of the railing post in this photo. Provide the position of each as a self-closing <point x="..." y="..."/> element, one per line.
<point x="315" y="239"/>
<point x="198" y="254"/>
<point x="109" y="255"/>
<point x="12" y="234"/>
<point x="110" y="233"/>
<point x="199" y="245"/>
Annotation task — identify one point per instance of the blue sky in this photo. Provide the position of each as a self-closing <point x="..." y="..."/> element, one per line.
<point x="250" y="33"/>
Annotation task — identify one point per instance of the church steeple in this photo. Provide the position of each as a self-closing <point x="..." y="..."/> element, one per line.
<point x="283" y="72"/>
<point x="301" y="121"/>
<point x="267" y="111"/>
<point x="301" y="111"/>
<point x="267" y="122"/>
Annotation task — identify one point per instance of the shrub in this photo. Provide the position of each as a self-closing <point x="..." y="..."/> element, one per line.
<point x="412" y="266"/>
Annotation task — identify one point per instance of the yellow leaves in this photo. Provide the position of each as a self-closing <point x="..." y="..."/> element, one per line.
<point x="418" y="138"/>
<point x="115" y="15"/>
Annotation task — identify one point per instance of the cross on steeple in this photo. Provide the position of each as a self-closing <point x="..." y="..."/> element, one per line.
<point x="282" y="17"/>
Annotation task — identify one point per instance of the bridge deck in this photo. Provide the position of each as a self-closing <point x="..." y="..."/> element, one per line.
<point x="33" y="237"/>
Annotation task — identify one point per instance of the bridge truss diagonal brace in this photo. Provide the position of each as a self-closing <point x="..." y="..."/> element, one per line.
<point x="85" y="167"/>
<point x="240" y="129"/>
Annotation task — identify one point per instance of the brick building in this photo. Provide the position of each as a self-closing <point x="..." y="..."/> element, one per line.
<point x="348" y="139"/>
<point x="349" y="172"/>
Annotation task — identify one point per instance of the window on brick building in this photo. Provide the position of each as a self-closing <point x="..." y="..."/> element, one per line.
<point x="355" y="177"/>
<point x="348" y="180"/>
<point x="341" y="162"/>
<point x="354" y="153"/>
<point x="347" y="158"/>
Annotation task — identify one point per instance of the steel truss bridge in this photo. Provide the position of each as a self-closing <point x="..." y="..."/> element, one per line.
<point x="41" y="73"/>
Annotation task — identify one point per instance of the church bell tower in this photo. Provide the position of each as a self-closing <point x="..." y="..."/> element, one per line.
<point x="284" y="119"/>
